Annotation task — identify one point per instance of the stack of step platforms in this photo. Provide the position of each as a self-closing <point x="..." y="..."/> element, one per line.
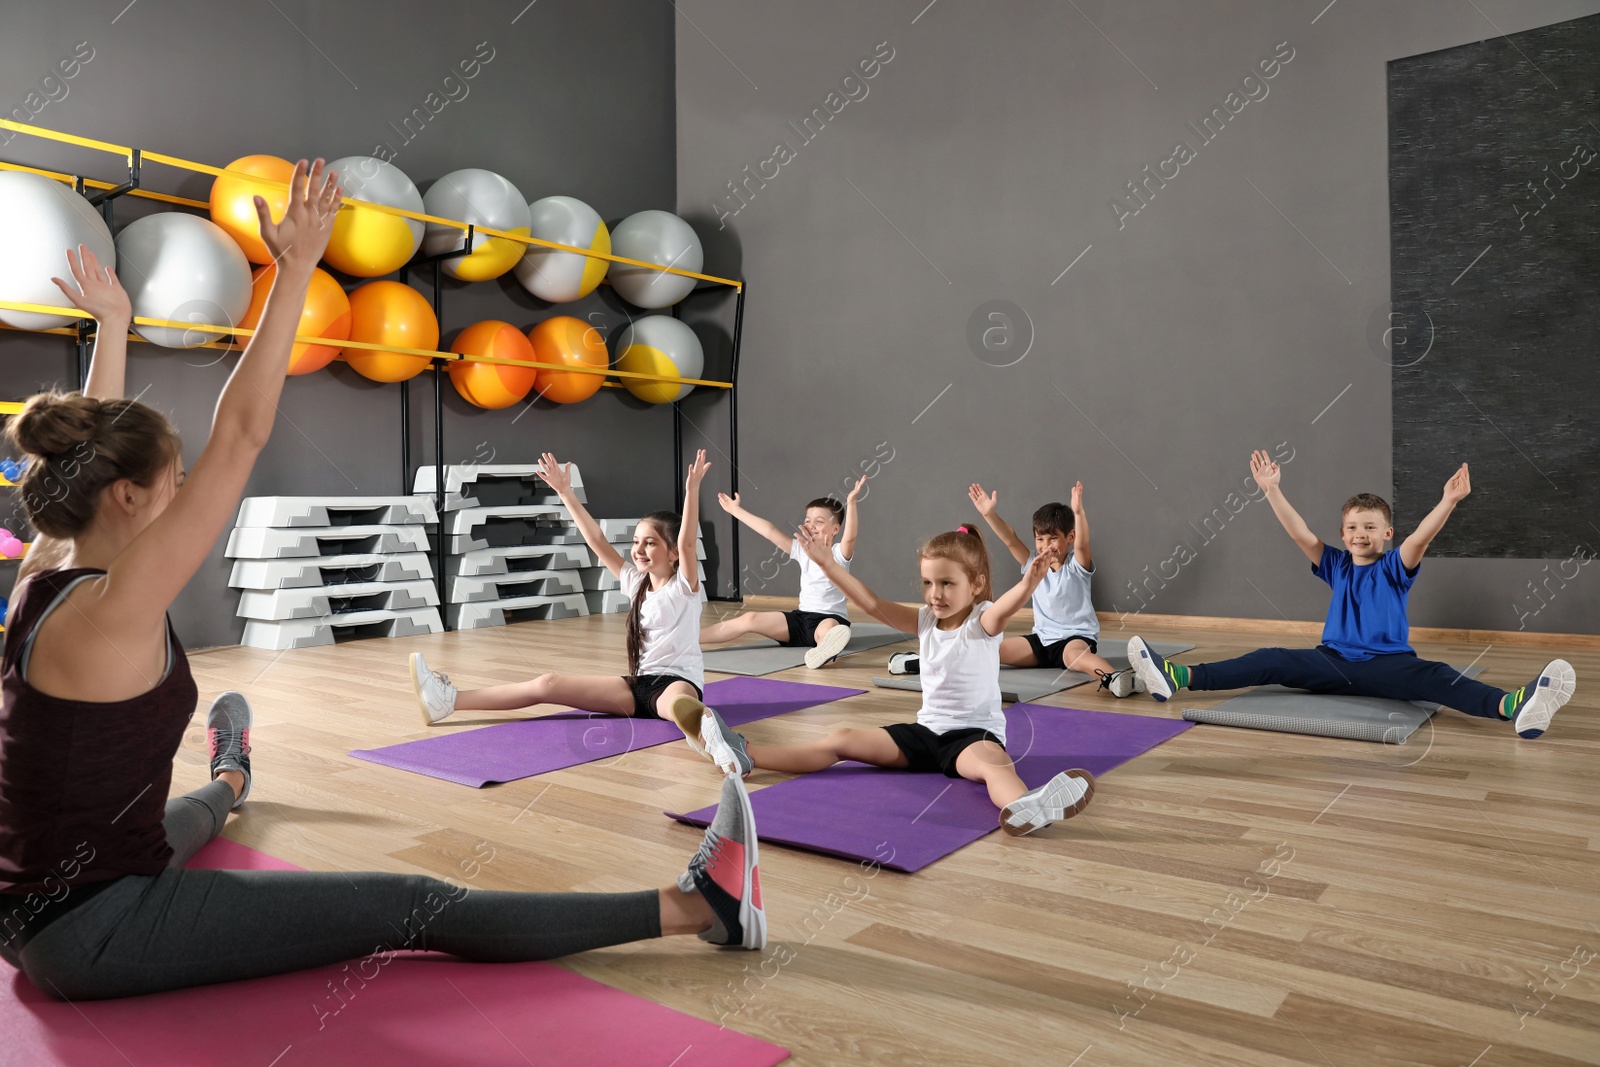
<point x="512" y="549"/>
<point x="602" y="589"/>
<point x="315" y="569"/>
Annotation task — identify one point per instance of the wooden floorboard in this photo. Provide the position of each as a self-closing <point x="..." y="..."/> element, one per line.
<point x="1423" y="892"/>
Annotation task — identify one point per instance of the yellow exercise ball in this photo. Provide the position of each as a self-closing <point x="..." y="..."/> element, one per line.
<point x="659" y="344"/>
<point x="233" y="201"/>
<point x="396" y="314"/>
<point x="368" y="243"/>
<point x="482" y="198"/>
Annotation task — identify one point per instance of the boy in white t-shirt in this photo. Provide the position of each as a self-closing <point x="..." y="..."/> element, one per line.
<point x="1066" y="631"/>
<point x="821" y="622"/>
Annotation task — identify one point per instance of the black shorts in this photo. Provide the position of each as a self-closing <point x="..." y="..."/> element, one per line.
<point x="926" y="751"/>
<point x="647" y="687"/>
<point x="803" y="626"/>
<point x="1050" y="655"/>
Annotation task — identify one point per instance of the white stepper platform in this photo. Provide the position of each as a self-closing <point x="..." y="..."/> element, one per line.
<point x="279" y="604"/>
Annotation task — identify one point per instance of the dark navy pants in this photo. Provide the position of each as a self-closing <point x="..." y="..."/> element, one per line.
<point x="1402" y="676"/>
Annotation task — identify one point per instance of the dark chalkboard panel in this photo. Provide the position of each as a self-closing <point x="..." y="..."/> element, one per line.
<point x="1494" y="157"/>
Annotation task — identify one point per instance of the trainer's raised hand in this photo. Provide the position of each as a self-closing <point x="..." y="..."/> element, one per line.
<point x="97" y="290"/>
<point x="298" y="240"/>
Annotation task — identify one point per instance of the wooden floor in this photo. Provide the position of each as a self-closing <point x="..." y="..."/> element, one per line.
<point x="1436" y="903"/>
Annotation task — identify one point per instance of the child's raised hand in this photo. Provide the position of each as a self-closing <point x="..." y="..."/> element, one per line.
<point x="812" y="545"/>
<point x="984" y="502"/>
<point x="730" y="504"/>
<point x="1264" y="470"/>
<point x="1077" y="498"/>
<point x="697" y="472"/>
<point x="555" y="475"/>
<point x="1459" y="485"/>
<point x="301" y="236"/>
<point x="855" y="494"/>
<point x="1040" y="565"/>
<point x="98" y="292"/>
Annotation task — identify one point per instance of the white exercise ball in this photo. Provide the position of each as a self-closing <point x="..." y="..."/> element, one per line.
<point x="659" y="344"/>
<point x="184" y="268"/>
<point x="482" y="198"/>
<point x="654" y="237"/>
<point x="368" y="243"/>
<point x="557" y="276"/>
<point x="40" y="219"/>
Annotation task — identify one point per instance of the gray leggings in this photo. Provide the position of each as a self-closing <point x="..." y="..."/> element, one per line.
<point x="184" y="928"/>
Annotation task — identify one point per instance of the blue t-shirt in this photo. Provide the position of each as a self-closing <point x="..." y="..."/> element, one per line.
<point x="1367" y="615"/>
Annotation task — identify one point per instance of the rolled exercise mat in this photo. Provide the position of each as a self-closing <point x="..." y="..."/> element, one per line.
<point x="767" y="656"/>
<point x="906" y="821"/>
<point x="420" y="1009"/>
<point x="1295" y="711"/>
<point x="1031" y="683"/>
<point x="528" y="747"/>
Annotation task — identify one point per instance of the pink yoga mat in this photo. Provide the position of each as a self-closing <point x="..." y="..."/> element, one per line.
<point x="906" y="821"/>
<point x="416" y="1010"/>
<point x="527" y="747"/>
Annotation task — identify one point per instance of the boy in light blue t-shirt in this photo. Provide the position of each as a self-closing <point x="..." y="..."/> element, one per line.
<point x="1365" y="648"/>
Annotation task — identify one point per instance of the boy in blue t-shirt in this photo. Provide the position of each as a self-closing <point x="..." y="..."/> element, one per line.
<point x="1364" y="650"/>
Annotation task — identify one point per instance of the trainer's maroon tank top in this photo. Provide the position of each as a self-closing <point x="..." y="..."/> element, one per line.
<point x="83" y="785"/>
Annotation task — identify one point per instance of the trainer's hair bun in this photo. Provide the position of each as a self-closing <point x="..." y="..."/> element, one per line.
<point x="51" y="424"/>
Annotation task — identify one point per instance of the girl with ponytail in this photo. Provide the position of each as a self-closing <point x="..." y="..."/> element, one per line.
<point x="95" y="900"/>
<point x="960" y="729"/>
<point x="661" y="579"/>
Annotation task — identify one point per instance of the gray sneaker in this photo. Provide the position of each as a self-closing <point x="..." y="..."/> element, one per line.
<point x="709" y="736"/>
<point x="228" y="738"/>
<point x="1061" y="797"/>
<point x="726" y="871"/>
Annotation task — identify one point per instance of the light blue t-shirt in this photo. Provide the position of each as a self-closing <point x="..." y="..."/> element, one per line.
<point x="1367" y="615"/>
<point x="1061" y="605"/>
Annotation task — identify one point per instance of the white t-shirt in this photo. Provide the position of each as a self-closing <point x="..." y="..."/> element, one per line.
<point x="817" y="592"/>
<point x="670" y="617"/>
<point x="960" y="675"/>
<point x="1061" y="604"/>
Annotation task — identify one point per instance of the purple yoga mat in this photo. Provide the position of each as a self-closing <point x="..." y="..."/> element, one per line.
<point x="906" y="821"/>
<point x="566" y="739"/>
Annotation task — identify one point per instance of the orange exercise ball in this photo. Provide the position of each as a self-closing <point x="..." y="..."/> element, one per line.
<point x="326" y="313"/>
<point x="390" y="313"/>
<point x="489" y="385"/>
<point x="575" y="343"/>
<point x="233" y="205"/>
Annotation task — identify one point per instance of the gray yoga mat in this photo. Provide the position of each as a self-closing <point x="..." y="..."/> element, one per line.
<point x="1023" y="684"/>
<point x="767" y="656"/>
<point x="1295" y="711"/>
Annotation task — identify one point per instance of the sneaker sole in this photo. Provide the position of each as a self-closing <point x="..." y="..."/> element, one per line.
<point x="1052" y="807"/>
<point x="1556" y="684"/>
<point x="416" y="688"/>
<point x="833" y="643"/>
<point x="752" y="919"/>
<point x="1143" y="666"/>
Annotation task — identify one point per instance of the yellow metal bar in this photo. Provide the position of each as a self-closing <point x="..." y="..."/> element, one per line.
<point x="95" y="183"/>
<point x="204" y="168"/>
<point x="241" y="331"/>
<point x="10" y="407"/>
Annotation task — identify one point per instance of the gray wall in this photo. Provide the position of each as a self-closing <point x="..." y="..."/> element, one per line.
<point x="577" y="99"/>
<point x="1232" y="312"/>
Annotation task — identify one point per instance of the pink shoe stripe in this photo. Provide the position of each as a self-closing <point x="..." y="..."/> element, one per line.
<point x="726" y="868"/>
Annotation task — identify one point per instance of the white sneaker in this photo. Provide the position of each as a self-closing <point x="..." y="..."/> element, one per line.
<point x="435" y="695"/>
<point x="827" y="650"/>
<point x="1122" y="683"/>
<point x="1537" y="702"/>
<point x="905" y="663"/>
<point x="1061" y="797"/>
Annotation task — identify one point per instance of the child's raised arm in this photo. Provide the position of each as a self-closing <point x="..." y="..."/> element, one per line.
<point x="1080" y="526"/>
<point x="1455" y="491"/>
<point x="1267" y="474"/>
<point x="556" y="477"/>
<point x="689" y="529"/>
<point x="988" y="506"/>
<point x="888" y="612"/>
<point x="1011" y="601"/>
<point x="766" y="529"/>
<point x="852" y="520"/>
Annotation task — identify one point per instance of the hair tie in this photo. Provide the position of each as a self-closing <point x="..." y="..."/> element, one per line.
<point x="964" y="528"/>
